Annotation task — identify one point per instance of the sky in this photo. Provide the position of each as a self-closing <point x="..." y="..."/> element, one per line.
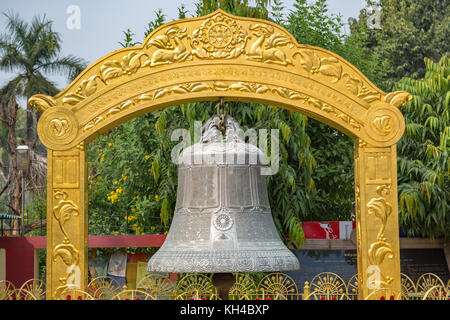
<point x="102" y="22"/>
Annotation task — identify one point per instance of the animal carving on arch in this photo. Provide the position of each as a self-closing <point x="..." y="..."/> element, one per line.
<point x="264" y="48"/>
<point x="170" y="47"/>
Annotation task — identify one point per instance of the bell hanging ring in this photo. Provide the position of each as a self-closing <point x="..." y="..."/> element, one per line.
<point x="222" y="220"/>
<point x="221" y="124"/>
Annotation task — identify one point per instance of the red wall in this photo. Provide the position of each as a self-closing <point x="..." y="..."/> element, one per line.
<point x="20" y="250"/>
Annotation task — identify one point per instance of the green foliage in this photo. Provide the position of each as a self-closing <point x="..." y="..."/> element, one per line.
<point x="128" y="40"/>
<point x="423" y="153"/>
<point x="409" y="31"/>
<point x="311" y="24"/>
<point x="152" y="25"/>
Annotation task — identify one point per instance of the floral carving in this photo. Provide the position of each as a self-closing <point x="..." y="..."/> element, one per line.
<point x="383" y="124"/>
<point x="382" y="209"/>
<point x="42" y="102"/>
<point x="69" y="254"/>
<point x="85" y="89"/>
<point x="265" y="49"/>
<point x="59" y="127"/>
<point x="64" y="210"/>
<point x="357" y="87"/>
<point x="130" y="64"/>
<point x="380" y="250"/>
<point x="330" y="109"/>
<point x="313" y="63"/>
<point x="398" y="98"/>
<point x="93" y="123"/>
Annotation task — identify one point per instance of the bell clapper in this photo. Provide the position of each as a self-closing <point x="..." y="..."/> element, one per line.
<point x="223" y="283"/>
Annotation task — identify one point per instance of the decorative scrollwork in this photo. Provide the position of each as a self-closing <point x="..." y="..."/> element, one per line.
<point x="398" y="98"/>
<point x="157" y="285"/>
<point x="408" y="287"/>
<point x="85" y="89"/>
<point x="64" y="210"/>
<point x="353" y="287"/>
<point x="313" y="63"/>
<point x="427" y="281"/>
<point x="42" y="102"/>
<point x="278" y="286"/>
<point x="437" y="292"/>
<point x="22" y="294"/>
<point x="195" y="287"/>
<point x="244" y="288"/>
<point x="357" y="87"/>
<point x="35" y="287"/>
<point x="328" y="285"/>
<point x="103" y="288"/>
<point x="6" y="290"/>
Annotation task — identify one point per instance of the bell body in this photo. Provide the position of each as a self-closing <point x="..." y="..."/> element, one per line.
<point x="222" y="220"/>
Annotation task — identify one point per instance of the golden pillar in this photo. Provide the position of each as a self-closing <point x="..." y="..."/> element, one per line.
<point x="377" y="227"/>
<point x="67" y="221"/>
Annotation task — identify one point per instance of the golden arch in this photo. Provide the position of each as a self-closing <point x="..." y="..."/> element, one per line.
<point x="220" y="55"/>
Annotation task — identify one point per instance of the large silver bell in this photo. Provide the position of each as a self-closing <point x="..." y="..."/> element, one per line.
<point x="222" y="220"/>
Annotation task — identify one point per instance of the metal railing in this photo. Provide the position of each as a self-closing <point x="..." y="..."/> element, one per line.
<point x="273" y="286"/>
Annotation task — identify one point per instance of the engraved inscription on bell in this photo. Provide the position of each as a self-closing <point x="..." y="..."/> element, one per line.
<point x="222" y="220"/>
<point x="238" y="185"/>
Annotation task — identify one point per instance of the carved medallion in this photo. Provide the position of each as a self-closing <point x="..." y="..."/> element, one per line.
<point x="223" y="222"/>
<point x="58" y="126"/>
<point x="218" y="37"/>
<point x="384" y="123"/>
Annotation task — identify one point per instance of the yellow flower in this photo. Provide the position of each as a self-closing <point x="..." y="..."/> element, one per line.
<point x="116" y="182"/>
<point x="115" y="232"/>
<point x="147" y="157"/>
<point x="109" y="144"/>
<point x="156" y="197"/>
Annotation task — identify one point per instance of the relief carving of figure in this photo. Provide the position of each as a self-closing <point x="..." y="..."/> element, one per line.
<point x="171" y="47"/>
<point x="264" y="48"/>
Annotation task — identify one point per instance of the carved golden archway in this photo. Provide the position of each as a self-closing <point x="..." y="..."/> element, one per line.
<point x="201" y="59"/>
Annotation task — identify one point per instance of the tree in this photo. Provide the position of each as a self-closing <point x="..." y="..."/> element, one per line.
<point x="423" y="153"/>
<point x="29" y="50"/>
<point x="409" y="31"/>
